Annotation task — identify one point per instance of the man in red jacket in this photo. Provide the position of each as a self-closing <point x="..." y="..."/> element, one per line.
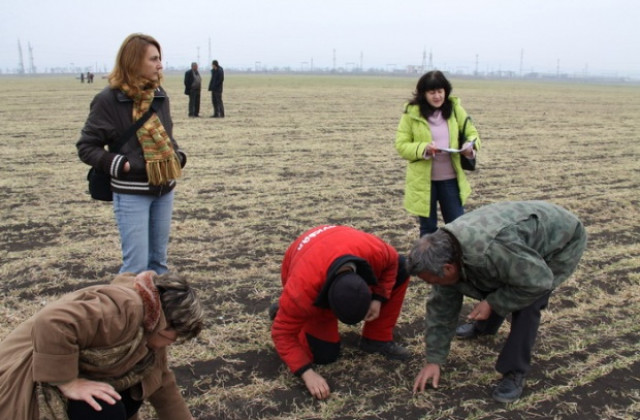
<point x="333" y="273"/>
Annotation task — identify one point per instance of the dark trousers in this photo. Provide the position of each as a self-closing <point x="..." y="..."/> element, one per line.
<point x="218" y="106"/>
<point x="447" y="193"/>
<point x="124" y="409"/>
<point x="194" y="103"/>
<point x="515" y="355"/>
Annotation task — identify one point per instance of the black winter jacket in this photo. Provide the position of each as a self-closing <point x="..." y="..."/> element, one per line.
<point x="110" y="115"/>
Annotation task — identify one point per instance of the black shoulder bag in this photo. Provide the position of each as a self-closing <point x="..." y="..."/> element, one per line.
<point x="466" y="163"/>
<point x="99" y="181"/>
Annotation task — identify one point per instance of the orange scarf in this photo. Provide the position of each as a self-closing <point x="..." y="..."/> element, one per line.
<point x="143" y="284"/>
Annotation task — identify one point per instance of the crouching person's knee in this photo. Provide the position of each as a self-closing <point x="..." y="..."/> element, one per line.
<point x="324" y="352"/>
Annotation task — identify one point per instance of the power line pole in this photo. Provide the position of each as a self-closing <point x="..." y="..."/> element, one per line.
<point x="32" y="67"/>
<point x="334" y="59"/>
<point x="521" y="60"/>
<point x="21" y="61"/>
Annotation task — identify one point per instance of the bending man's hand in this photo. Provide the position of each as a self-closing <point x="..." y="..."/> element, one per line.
<point x="480" y="312"/>
<point x="85" y="390"/>
<point x="374" y="311"/>
<point x="429" y="371"/>
<point x="316" y="384"/>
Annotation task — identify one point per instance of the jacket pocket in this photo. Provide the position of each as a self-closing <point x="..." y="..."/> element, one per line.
<point x="137" y="164"/>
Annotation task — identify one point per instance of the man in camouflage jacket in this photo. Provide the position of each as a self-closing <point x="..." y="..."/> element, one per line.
<point x="508" y="255"/>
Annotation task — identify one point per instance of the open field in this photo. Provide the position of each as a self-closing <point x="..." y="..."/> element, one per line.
<point x="298" y="151"/>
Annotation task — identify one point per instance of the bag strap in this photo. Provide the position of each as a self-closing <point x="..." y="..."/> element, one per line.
<point x="464" y="127"/>
<point x="133" y="128"/>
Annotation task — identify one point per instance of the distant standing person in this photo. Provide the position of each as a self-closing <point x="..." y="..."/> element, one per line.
<point x="510" y="256"/>
<point x="192" y="86"/>
<point x="144" y="170"/>
<point x="215" y="86"/>
<point x="81" y="77"/>
<point x="430" y="123"/>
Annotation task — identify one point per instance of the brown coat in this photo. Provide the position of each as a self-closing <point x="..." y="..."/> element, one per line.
<point x="45" y="348"/>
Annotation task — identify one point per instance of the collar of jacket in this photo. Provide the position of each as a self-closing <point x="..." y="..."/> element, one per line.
<point x="363" y="269"/>
<point x="413" y="111"/>
<point x="122" y="97"/>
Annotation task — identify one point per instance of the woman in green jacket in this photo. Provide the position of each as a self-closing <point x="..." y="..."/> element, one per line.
<point x="430" y="124"/>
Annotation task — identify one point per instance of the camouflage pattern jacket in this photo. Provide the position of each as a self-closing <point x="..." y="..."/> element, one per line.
<point x="512" y="254"/>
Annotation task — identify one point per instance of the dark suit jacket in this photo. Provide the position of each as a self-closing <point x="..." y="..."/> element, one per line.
<point x="217" y="79"/>
<point x="188" y="81"/>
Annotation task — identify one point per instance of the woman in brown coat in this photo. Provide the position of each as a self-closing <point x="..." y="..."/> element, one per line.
<point x="99" y="352"/>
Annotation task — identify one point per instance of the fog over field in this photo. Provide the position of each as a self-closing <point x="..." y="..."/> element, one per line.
<point x="555" y="37"/>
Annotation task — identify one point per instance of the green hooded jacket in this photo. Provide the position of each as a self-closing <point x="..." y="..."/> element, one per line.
<point x="412" y="138"/>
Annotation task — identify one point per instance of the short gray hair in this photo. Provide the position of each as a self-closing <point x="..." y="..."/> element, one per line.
<point x="180" y="304"/>
<point x="431" y="252"/>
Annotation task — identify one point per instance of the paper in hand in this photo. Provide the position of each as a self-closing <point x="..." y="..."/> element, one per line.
<point x="465" y="146"/>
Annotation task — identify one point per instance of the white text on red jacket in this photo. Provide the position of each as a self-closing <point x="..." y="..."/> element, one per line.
<point x="312" y="235"/>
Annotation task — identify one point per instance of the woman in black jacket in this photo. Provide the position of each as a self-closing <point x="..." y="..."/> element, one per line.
<point x="145" y="168"/>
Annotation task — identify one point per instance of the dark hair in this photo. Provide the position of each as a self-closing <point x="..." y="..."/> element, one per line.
<point x="432" y="80"/>
<point x="180" y="304"/>
<point x="431" y="252"/>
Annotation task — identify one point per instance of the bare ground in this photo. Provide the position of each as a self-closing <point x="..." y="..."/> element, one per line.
<point x="299" y="151"/>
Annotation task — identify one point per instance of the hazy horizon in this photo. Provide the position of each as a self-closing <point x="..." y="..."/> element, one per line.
<point x="551" y="37"/>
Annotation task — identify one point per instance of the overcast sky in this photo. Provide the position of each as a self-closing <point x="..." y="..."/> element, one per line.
<point x="570" y="36"/>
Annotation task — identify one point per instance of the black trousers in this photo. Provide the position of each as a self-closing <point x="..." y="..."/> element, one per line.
<point x="218" y="106"/>
<point x="124" y="409"/>
<point x="515" y="355"/>
<point x="194" y="103"/>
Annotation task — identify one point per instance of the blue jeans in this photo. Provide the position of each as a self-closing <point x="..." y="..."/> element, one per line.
<point x="144" y="222"/>
<point x="447" y="193"/>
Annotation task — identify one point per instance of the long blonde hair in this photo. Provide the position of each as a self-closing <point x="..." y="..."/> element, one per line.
<point x="126" y="70"/>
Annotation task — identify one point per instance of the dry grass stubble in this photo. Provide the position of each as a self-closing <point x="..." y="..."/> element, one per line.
<point x="297" y="151"/>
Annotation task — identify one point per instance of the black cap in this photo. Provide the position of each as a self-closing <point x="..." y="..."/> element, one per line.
<point x="349" y="298"/>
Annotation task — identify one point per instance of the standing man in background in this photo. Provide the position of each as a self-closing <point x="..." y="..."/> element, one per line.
<point x="215" y="87"/>
<point x="192" y="86"/>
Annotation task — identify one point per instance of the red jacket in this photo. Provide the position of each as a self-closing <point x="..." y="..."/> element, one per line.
<point x="308" y="268"/>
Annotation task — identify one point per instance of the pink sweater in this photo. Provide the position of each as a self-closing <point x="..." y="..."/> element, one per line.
<point x="442" y="169"/>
